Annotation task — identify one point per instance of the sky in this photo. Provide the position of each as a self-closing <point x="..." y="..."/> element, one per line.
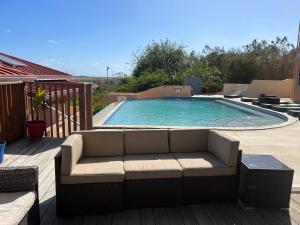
<point x="82" y="37"/>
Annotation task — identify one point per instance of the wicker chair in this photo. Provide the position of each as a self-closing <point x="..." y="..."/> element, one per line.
<point x="19" y="190"/>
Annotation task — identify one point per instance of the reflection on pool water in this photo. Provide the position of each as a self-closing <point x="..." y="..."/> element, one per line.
<point x="189" y="112"/>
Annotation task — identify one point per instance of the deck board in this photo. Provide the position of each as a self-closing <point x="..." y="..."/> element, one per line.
<point x="41" y="153"/>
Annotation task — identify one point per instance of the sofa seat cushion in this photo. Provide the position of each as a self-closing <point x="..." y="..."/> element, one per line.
<point x="202" y="164"/>
<point x="96" y="170"/>
<point x="14" y="206"/>
<point x="151" y="166"/>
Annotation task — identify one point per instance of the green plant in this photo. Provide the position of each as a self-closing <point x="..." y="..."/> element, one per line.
<point x="38" y="100"/>
<point x="98" y="107"/>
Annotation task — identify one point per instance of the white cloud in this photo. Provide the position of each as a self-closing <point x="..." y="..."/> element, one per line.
<point x="52" y="41"/>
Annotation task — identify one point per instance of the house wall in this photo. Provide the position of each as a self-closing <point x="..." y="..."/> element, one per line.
<point x="296" y="84"/>
<point x="166" y="91"/>
<point x="280" y="88"/>
<point x="157" y="92"/>
<point x="229" y="88"/>
<point x="113" y="97"/>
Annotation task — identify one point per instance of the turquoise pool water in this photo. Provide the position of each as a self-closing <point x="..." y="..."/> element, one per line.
<point x="188" y="112"/>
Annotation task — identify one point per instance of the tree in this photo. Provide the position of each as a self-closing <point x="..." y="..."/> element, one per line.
<point x="271" y="60"/>
<point x="169" y="57"/>
<point x="210" y="75"/>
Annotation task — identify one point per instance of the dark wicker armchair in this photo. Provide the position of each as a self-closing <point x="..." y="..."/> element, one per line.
<point x="20" y="180"/>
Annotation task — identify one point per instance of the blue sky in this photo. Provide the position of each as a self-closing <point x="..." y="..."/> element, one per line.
<point x="82" y="37"/>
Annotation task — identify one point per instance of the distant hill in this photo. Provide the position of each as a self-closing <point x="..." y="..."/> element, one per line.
<point x="90" y="79"/>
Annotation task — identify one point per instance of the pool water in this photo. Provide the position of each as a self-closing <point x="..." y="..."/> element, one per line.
<point x="188" y="112"/>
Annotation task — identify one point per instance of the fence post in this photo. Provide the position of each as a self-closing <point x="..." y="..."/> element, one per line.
<point x="82" y="106"/>
<point x="89" y="110"/>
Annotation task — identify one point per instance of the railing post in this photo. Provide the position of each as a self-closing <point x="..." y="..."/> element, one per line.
<point x="82" y="106"/>
<point x="89" y="113"/>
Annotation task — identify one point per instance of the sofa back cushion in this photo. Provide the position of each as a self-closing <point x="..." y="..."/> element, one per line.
<point x="146" y="141"/>
<point x="188" y="140"/>
<point x="224" y="147"/>
<point x="103" y="142"/>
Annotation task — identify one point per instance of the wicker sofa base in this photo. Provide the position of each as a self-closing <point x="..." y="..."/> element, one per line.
<point x="210" y="189"/>
<point x="84" y="199"/>
<point x="153" y="193"/>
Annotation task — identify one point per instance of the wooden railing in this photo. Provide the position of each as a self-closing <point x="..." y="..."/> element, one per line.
<point x="12" y="111"/>
<point x="67" y="107"/>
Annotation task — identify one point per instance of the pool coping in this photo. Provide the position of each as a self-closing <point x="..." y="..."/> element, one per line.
<point x="106" y="113"/>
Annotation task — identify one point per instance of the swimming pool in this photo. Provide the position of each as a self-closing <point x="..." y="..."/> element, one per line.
<point x="190" y="111"/>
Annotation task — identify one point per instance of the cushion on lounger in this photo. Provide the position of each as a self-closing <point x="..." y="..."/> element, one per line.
<point x="71" y="152"/>
<point x="103" y="142"/>
<point x="188" y="140"/>
<point x="202" y="164"/>
<point x="145" y="141"/>
<point x="223" y="147"/>
<point x="96" y="170"/>
<point x="151" y="166"/>
<point x="14" y="206"/>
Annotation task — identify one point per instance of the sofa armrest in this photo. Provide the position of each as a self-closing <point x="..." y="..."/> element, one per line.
<point x="71" y="151"/>
<point x="17" y="179"/>
<point x="223" y="147"/>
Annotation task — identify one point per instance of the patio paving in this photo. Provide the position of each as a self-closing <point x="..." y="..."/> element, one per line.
<point x="41" y="153"/>
<point x="283" y="143"/>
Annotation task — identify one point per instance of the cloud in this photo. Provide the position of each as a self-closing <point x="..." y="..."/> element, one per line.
<point x="52" y="42"/>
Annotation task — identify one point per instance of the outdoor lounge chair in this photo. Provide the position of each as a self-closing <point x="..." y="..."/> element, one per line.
<point x="109" y="170"/>
<point x="247" y="99"/>
<point x="285" y="108"/>
<point x="270" y="106"/>
<point x="295" y="113"/>
<point x="269" y="100"/>
<point x="19" y="200"/>
<point x="210" y="161"/>
<point x="232" y="96"/>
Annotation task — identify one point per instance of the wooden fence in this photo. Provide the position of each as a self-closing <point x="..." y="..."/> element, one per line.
<point x="12" y="111"/>
<point x="67" y="107"/>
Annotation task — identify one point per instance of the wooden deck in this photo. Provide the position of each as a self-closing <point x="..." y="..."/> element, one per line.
<point x="41" y="153"/>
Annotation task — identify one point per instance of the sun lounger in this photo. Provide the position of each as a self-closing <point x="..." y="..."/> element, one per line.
<point x="232" y="96"/>
<point x="295" y="113"/>
<point x="291" y="105"/>
<point x="269" y="100"/>
<point x="246" y="99"/>
<point x="268" y="96"/>
<point x="266" y="105"/>
<point x="282" y="103"/>
<point x="280" y="108"/>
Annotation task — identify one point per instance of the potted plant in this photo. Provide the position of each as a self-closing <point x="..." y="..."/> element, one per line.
<point x="36" y="127"/>
<point x="2" y="149"/>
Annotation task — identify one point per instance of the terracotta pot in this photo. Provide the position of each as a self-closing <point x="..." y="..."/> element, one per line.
<point x="36" y="128"/>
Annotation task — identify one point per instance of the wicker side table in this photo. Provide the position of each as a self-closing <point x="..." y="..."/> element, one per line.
<point x="265" y="182"/>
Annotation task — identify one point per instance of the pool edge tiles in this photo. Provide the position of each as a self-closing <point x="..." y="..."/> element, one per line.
<point x="286" y="119"/>
<point x="110" y="113"/>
